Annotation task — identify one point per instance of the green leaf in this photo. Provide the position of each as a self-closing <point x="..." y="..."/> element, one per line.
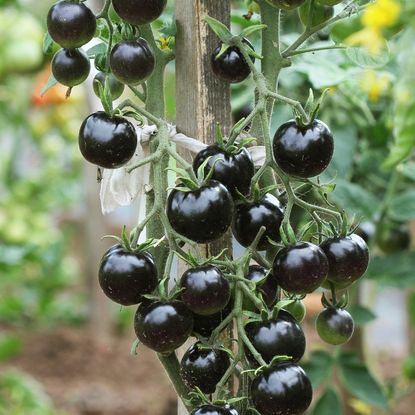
<point x="50" y="84"/>
<point x="355" y="199"/>
<point x="319" y="367"/>
<point x="329" y="403"/>
<point x="10" y="346"/>
<point x="407" y="170"/>
<point x="361" y="315"/>
<point x="363" y="58"/>
<point x="253" y="29"/>
<point x="48" y="44"/>
<point x="99" y="49"/>
<point x="357" y="379"/>
<point x="395" y="270"/>
<point x="402" y="207"/>
<point x="219" y="28"/>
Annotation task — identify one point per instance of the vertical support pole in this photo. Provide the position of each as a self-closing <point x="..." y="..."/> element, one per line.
<point x="202" y="99"/>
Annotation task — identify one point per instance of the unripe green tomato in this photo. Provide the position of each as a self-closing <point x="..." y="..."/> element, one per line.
<point x="116" y="87"/>
<point x="286" y="4"/>
<point x="335" y="326"/>
<point x="297" y="310"/>
<point x="329" y="2"/>
<point x="320" y="14"/>
<point x="408" y="368"/>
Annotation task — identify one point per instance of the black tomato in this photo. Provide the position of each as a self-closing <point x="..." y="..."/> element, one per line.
<point x="303" y="151"/>
<point x="70" y="67"/>
<point x="241" y="112"/>
<point x="204" y="325"/>
<point x="163" y="326"/>
<point x="283" y="389"/>
<point x="231" y="410"/>
<point x="231" y="66"/>
<point x="234" y="171"/>
<point x="277" y="337"/>
<point x="70" y="24"/>
<point x="300" y="269"/>
<point x="125" y="276"/>
<point x="286" y="4"/>
<point x="250" y="217"/>
<point x="203" y="368"/>
<point x="201" y="215"/>
<point x="132" y="61"/>
<point x="115" y="86"/>
<point x="210" y="410"/>
<point x="335" y="326"/>
<point x="139" y="12"/>
<point x="394" y="238"/>
<point x="205" y="290"/>
<point x="348" y="259"/>
<point x="267" y="287"/>
<point x="106" y="141"/>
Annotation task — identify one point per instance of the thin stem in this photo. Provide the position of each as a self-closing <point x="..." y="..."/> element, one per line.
<point x="311" y="50"/>
<point x="187" y="166"/>
<point x="150" y="159"/>
<point x="142" y="111"/>
<point x="141" y="96"/>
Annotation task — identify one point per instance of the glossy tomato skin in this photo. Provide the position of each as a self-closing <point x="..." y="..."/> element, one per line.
<point x="71" y="25"/>
<point x="300" y="269"/>
<point x="268" y="287"/>
<point x="201" y="215"/>
<point x="205" y="290"/>
<point x="234" y="171"/>
<point x="163" y="326"/>
<point x="250" y="217"/>
<point x="139" y="12"/>
<point x="348" y="259"/>
<point x="277" y="337"/>
<point x="203" y="368"/>
<point x="335" y="326"/>
<point x="231" y="66"/>
<point x="126" y="276"/>
<point x="286" y="4"/>
<point x="303" y="152"/>
<point x="106" y="141"/>
<point x="297" y="309"/>
<point x="132" y="61"/>
<point x="282" y="389"/>
<point x="70" y="67"/>
<point x="210" y="410"/>
<point x="204" y="325"/>
<point x="115" y="86"/>
<point x="366" y="231"/>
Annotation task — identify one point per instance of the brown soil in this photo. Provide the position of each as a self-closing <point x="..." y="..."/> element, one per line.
<point x="101" y="378"/>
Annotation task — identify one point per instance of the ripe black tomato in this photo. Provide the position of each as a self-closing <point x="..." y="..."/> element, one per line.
<point x="234" y="171"/>
<point x="393" y="238"/>
<point x="201" y="215"/>
<point x="139" y="12"/>
<point x="163" y="326"/>
<point x="303" y="151"/>
<point x="267" y="287"/>
<point x="125" y="276"/>
<point x="348" y="259"/>
<point x="250" y="217"/>
<point x="203" y="368"/>
<point x="335" y="326"/>
<point x="132" y="61"/>
<point x="115" y="86"/>
<point x="300" y="269"/>
<point x="282" y="389"/>
<point x="204" y="325"/>
<point x="231" y="66"/>
<point x="205" y="290"/>
<point x="70" y="67"/>
<point x="211" y="410"/>
<point x="277" y="337"/>
<point x="70" y="24"/>
<point x="286" y="4"/>
<point x="106" y="141"/>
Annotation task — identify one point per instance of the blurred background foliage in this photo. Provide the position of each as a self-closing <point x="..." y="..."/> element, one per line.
<point x="369" y="105"/>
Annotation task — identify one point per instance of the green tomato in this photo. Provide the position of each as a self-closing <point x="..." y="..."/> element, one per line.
<point x="297" y="310"/>
<point x="329" y="2"/>
<point x="393" y="238"/>
<point x="335" y="326"/>
<point x="319" y="13"/>
<point x="286" y="4"/>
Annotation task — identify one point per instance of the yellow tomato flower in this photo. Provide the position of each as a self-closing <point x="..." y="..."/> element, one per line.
<point x="375" y="84"/>
<point x="381" y="14"/>
<point x="360" y="407"/>
<point x="368" y="37"/>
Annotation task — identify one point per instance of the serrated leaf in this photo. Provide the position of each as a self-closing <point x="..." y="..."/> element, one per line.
<point x="329" y="403"/>
<point x="50" y="84"/>
<point x="219" y="28"/>
<point x="360" y="383"/>
<point x="363" y="58"/>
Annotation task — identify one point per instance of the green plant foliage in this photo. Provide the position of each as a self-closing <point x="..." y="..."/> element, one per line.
<point x="329" y="403"/>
